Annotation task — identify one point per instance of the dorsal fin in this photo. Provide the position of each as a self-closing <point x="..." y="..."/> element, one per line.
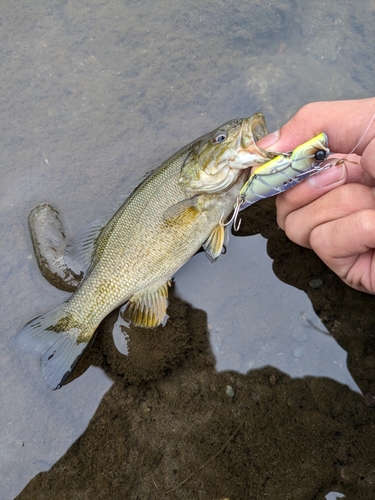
<point x="81" y="247"/>
<point x="120" y="199"/>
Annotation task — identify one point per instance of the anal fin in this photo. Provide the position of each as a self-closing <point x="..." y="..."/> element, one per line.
<point x="214" y="243"/>
<point x="148" y="308"/>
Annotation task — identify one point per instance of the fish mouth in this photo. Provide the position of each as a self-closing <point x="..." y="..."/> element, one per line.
<point x="246" y="159"/>
<point x="251" y="131"/>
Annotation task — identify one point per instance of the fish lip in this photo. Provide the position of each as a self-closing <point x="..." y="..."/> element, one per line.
<point x="245" y="129"/>
<point x="246" y="159"/>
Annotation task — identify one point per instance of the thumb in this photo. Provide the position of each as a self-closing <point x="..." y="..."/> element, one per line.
<point x="349" y="125"/>
<point x="282" y="141"/>
<point x="270" y="140"/>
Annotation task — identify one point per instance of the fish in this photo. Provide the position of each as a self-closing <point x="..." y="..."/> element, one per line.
<point x="130" y="259"/>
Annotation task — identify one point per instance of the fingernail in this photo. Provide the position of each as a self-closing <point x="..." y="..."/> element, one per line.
<point x="328" y="177"/>
<point x="269" y="140"/>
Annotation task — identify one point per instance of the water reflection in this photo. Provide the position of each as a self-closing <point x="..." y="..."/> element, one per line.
<point x="255" y="320"/>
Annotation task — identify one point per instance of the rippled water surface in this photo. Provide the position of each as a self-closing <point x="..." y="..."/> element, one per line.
<point x="92" y="96"/>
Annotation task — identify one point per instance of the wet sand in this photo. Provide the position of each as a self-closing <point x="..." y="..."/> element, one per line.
<point x="171" y="416"/>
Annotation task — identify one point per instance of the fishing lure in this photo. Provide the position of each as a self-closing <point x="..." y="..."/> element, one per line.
<point x="282" y="173"/>
<point x="286" y="170"/>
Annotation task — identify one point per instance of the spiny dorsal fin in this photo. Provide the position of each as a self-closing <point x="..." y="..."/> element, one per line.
<point x="81" y="247"/>
<point x="214" y="243"/>
<point x="147" y="309"/>
<point x="130" y="188"/>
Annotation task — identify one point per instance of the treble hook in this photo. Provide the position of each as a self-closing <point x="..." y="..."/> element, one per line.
<point x="237" y="207"/>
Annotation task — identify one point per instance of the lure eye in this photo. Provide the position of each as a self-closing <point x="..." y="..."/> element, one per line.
<point x="320" y="155"/>
<point x="219" y="137"/>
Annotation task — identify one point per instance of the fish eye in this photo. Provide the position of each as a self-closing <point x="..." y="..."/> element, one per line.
<point x="219" y="137"/>
<point x="320" y="155"/>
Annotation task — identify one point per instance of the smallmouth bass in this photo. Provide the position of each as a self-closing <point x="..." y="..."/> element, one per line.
<point x="131" y="258"/>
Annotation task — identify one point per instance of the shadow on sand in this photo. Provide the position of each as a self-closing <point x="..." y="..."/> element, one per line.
<point x="260" y="435"/>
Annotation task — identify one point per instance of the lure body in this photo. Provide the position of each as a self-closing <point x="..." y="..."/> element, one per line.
<point x="285" y="171"/>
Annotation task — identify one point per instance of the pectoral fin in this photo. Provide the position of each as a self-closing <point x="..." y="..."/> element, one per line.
<point x="183" y="212"/>
<point x="214" y="243"/>
<point x="147" y="309"/>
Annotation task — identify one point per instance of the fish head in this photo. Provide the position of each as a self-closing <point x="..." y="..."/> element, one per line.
<point x="217" y="159"/>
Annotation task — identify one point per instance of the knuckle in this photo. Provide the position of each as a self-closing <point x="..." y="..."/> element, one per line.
<point x="367" y="222"/>
<point x="316" y="239"/>
<point x="306" y="111"/>
<point x="309" y="110"/>
<point x="349" y="195"/>
<point x="280" y="221"/>
<point x="294" y="231"/>
<point x="281" y="213"/>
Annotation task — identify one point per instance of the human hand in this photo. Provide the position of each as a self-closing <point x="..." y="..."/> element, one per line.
<point x="333" y="212"/>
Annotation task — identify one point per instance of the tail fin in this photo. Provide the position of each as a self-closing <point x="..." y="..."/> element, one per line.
<point x="59" y="347"/>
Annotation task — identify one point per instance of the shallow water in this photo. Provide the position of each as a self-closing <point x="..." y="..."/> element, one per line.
<point x="92" y="97"/>
<point x="259" y="320"/>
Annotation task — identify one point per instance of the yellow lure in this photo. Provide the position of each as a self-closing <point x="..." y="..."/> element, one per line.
<point x="286" y="170"/>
